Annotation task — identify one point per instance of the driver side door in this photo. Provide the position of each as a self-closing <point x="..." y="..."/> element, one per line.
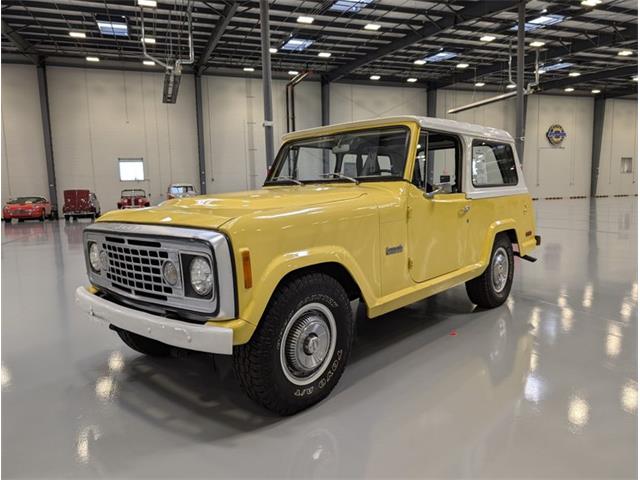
<point x="438" y="209"/>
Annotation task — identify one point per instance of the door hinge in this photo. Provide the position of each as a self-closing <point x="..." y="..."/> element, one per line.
<point x="409" y="264"/>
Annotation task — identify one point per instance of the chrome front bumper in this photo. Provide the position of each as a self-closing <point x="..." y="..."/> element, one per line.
<point x="202" y="338"/>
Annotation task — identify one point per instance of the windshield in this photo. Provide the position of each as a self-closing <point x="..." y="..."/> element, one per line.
<point x="133" y="193"/>
<point x="25" y="200"/>
<point x="373" y="154"/>
<point x="181" y="189"/>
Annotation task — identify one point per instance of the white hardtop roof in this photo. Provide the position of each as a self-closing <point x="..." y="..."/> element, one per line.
<point x="426" y="122"/>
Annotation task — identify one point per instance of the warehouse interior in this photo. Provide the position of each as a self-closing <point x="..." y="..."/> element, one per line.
<point x="543" y="386"/>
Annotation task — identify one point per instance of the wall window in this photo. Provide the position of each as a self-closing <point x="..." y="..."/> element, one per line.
<point x="131" y="169"/>
<point x="626" y="165"/>
<point x="492" y="165"/>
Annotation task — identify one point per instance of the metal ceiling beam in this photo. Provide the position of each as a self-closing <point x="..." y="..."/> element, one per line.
<point x="468" y="13"/>
<point x="576" y="46"/>
<point x="23" y="46"/>
<point x="589" y="77"/>
<point x="216" y="35"/>
<point x="623" y="92"/>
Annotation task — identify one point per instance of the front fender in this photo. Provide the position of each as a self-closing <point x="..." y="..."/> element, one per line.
<point x="265" y="285"/>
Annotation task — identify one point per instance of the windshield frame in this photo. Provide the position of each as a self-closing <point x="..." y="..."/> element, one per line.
<point x="127" y="193"/>
<point x="26" y="200"/>
<point x="281" y="158"/>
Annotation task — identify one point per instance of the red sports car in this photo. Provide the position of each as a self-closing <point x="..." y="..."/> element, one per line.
<point x="27" y="208"/>
<point x="134" y="198"/>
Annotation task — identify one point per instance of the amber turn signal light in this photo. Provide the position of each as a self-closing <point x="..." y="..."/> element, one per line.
<point x="246" y="267"/>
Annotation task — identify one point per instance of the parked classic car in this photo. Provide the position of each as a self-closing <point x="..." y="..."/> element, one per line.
<point x="80" y="203"/>
<point x="133" y="198"/>
<point x="387" y="212"/>
<point x="180" y="190"/>
<point x="27" y="208"/>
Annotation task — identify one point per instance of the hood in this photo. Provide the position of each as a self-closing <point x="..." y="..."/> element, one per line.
<point x="22" y="206"/>
<point x="215" y="210"/>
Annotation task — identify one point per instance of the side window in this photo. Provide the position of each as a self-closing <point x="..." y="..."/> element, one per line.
<point x="492" y="165"/>
<point x="437" y="162"/>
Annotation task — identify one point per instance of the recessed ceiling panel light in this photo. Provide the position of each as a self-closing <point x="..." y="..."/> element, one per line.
<point x="324" y="54"/>
<point x="293" y="72"/>
<point x="419" y="62"/>
<point x="374" y="77"/>
<point x="148" y="63"/>
<point x="479" y="84"/>
<point x="537" y="44"/>
<point x="372" y="26"/>
<point x="487" y="38"/>
<point x="150" y="40"/>
<point x="93" y="59"/>
<point x="273" y="50"/>
<point x="574" y="74"/>
<point x="569" y="89"/>
<point x="596" y="90"/>
<point x="462" y="65"/>
<point x="249" y="69"/>
<point x="625" y="53"/>
<point x="78" y="34"/>
<point x="303" y="19"/>
<point x="148" y="3"/>
<point x="412" y="80"/>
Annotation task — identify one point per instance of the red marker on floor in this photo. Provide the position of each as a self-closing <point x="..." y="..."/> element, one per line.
<point x="453" y="332"/>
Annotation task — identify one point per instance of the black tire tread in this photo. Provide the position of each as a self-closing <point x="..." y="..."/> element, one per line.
<point x="480" y="290"/>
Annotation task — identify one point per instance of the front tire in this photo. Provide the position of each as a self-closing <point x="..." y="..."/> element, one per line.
<point x="492" y="288"/>
<point x="301" y="347"/>
<point x="144" y="345"/>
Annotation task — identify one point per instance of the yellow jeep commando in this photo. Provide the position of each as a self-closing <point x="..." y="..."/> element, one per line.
<point x="386" y="211"/>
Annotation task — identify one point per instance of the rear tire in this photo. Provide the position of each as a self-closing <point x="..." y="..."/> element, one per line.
<point x="301" y="346"/>
<point x="43" y="217"/>
<point x="144" y="345"/>
<point x="492" y="288"/>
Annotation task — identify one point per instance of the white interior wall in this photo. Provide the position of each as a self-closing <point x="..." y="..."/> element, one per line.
<point x="619" y="139"/>
<point x="98" y="116"/>
<point x="24" y="167"/>
<point x="349" y="102"/>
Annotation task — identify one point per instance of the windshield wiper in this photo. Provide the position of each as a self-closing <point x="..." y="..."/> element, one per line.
<point x="340" y="175"/>
<point x="275" y="179"/>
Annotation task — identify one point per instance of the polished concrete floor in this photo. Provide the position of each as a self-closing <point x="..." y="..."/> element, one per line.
<point x="544" y="386"/>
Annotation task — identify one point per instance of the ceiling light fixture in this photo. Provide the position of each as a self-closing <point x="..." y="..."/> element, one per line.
<point x="93" y="59"/>
<point x="591" y="3"/>
<point x="148" y="3"/>
<point x="511" y="86"/>
<point x="596" y="90"/>
<point x="303" y="19"/>
<point x="569" y="89"/>
<point x="479" y="84"/>
<point x="293" y="72"/>
<point x="324" y="54"/>
<point x="249" y="69"/>
<point x="412" y="80"/>
<point x="419" y="62"/>
<point x="634" y="78"/>
<point x="374" y="77"/>
<point x="372" y="26"/>
<point x="150" y="40"/>
<point x="273" y="50"/>
<point x="625" y="53"/>
<point x="487" y="38"/>
<point x="537" y="44"/>
<point x="78" y="34"/>
<point x="149" y="63"/>
<point x="574" y="74"/>
<point x="462" y="65"/>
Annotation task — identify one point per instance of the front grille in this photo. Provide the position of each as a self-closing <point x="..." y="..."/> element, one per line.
<point x="136" y="268"/>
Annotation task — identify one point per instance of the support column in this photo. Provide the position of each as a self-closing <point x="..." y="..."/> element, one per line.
<point x="520" y="82"/>
<point x="324" y="100"/>
<point x="46" y="131"/>
<point x="432" y="102"/>
<point x="200" y="130"/>
<point x="265" y="35"/>
<point x="596" y="145"/>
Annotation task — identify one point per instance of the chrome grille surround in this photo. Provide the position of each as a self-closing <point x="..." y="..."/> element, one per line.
<point x="135" y="255"/>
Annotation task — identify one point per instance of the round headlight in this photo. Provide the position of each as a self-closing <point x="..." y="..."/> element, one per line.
<point x="201" y="276"/>
<point x="94" y="257"/>
<point x="170" y="273"/>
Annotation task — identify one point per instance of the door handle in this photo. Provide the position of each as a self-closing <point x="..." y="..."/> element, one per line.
<point x="465" y="209"/>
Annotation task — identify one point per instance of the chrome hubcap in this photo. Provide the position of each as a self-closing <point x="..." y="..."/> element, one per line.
<point x="500" y="269"/>
<point x="308" y="343"/>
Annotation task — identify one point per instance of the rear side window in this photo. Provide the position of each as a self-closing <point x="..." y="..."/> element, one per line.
<point x="492" y="164"/>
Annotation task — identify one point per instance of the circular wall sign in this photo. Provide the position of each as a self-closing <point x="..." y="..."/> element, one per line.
<point x="556" y="134"/>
